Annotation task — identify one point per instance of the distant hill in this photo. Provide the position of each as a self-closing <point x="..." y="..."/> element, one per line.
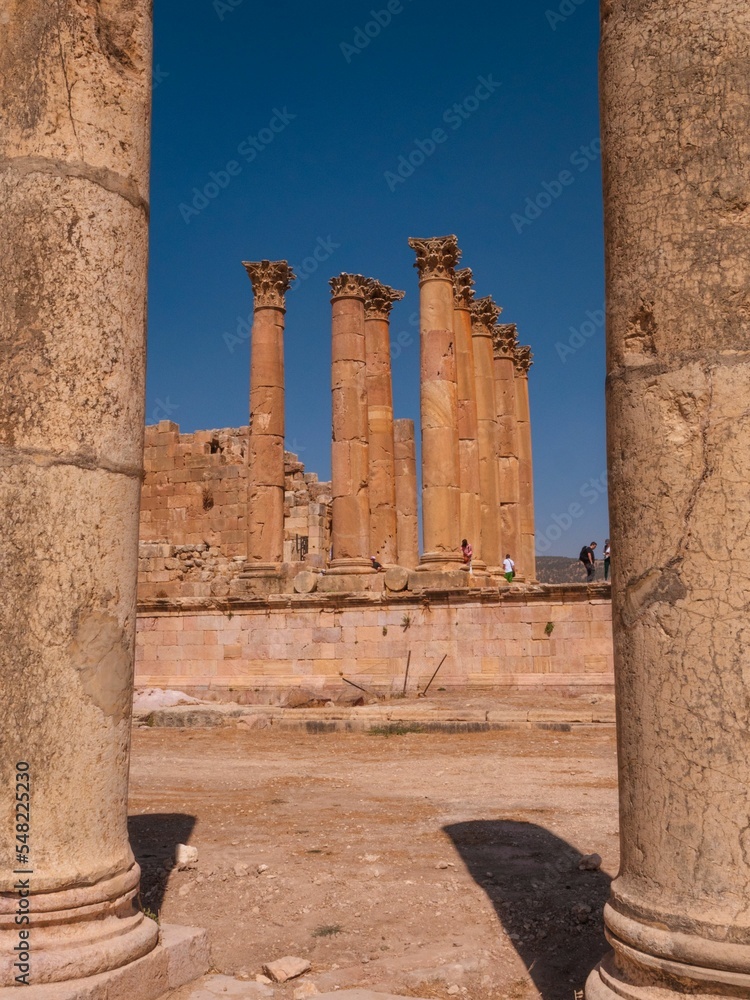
<point x="561" y="569"/>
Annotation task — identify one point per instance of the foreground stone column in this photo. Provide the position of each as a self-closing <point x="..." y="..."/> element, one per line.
<point x="379" y="301"/>
<point x="441" y="505"/>
<point x="504" y="343"/>
<point x="484" y="314"/>
<point x="265" y="473"/>
<point x="405" y="454"/>
<point x="349" y="450"/>
<point x="468" y="445"/>
<point x="74" y="157"/>
<point x="677" y="174"/>
<point x="527" y="554"/>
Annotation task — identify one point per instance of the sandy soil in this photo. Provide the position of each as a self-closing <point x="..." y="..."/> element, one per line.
<point x="433" y="865"/>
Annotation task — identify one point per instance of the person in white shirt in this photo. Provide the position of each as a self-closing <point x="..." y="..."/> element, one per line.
<point x="509" y="568"/>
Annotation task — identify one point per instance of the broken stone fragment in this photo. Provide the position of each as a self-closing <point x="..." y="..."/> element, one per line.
<point x="590" y="863"/>
<point x="283" y="969"/>
<point x="185" y="856"/>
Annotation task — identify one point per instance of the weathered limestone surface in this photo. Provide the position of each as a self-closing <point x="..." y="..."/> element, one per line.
<point x="493" y="641"/>
<point x="379" y="300"/>
<point x="406" y="493"/>
<point x="265" y="475"/>
<point x="468" y="444"/>
<point x="74" y="157"/>
<point x="504" y="341"/>
<point x="484" y="314"/>
<point x="676" y="143"/>
<point x="527" y="551"/>
<point x="441" y="507"/>
<point x="349" y="449"/>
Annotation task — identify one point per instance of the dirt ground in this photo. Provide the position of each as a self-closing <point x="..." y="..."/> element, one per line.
<point x="425" y="864"/>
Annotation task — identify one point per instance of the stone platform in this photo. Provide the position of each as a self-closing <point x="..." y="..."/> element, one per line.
<point x="181" y="956"/>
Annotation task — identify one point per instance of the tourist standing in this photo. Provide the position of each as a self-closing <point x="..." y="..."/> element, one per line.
<point x="509" y="568"/>
<point x="607" y="552"/>
<point x="589" y="561"/>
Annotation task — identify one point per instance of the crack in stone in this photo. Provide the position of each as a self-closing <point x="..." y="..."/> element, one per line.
<point x="103" y="177"/>
<point x="10" y="457"/>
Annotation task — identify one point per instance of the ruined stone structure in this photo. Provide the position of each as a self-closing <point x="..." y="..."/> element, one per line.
<point x="676" y="144"/>
<point x="194" y="511"/>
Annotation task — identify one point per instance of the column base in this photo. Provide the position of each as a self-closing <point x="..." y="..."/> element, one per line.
<point x="660" y="979"/>
<point x="181" y="956"/>
<point x="437" y="561"/>
<point x="349" y="566"/>
<point x="260" y="569"/>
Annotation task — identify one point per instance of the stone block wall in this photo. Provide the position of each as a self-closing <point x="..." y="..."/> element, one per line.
<point x="556" y="637"/>
<point x="193" y="527"/>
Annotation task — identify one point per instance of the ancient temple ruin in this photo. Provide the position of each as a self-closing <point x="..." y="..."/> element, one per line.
<point x="229" y="512"/>
<point x="255" y="577"/>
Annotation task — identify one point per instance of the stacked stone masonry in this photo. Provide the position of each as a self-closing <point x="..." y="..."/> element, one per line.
<point x="193" y="529"/>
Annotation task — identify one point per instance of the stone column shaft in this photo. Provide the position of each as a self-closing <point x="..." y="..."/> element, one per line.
<point x="406" y="493"/>
<point x="441" y="506"/>
<point x="484" y="315"/>
<point x="382" y="478"/>
<point x="675" y="109"/>
<point x="265" y="479"/>
<point x="74" y="159"/>
<point x="525" y="464"/>
<point x="468" y="444"/>
<point x="349" y="448"/>
<point x="504" y="344"/>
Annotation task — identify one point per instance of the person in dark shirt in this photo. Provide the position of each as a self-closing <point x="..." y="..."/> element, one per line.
<point x="589" y="561"/>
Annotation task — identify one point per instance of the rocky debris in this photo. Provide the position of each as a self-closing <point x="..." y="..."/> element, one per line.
<point x="445" y="864"/>
<point x="227" y="988"/>
<point x="185" y="856"/>
<point x="289" y="967"/>
<point x="260" y="978"/>
<point x="149" y="699"/>
<point x="261" y="868"/>
<point x="581" y="912"/>
<point x="305" y="989"/>
<point x="590" y="863"/>
<point x="240" y="869"/>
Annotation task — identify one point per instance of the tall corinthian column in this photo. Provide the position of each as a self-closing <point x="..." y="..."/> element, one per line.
<point x="527" y="553"/>
<point x="349" y="450"/>
<point x="406" y="493"/>
<point x="379" y="301"/>
<point x="484" y="314"/>
<point x="74" y="158"/>
<point x="441" y="506"/>
<point x="468" y="445"/>
<point x="675" y="109"/>
<point x="265" y="453"/>
<point x="504" y="343"/>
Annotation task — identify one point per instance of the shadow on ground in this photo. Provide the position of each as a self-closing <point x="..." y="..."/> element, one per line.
<point x="541" y="897"/>
<point x="154" y="837"/>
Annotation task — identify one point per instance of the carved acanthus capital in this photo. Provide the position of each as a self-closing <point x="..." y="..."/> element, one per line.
<point x="523" y="360"/>
<point x="271" y="280"/>
<point x="379" y="299"/>
<point x="505" y="340"/>
<point x="484" y="314"/>
<point x="436" y="257"/>
<point x="349" y="286"/>
<point x="463" y="292"/>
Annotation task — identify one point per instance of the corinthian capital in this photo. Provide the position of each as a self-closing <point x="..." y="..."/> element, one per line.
<point x="270" y="279"/>
<point x="484" y="314"/>
<point x="436" y="257"/>
<point x="379" y="299"/>
<point x="463" y="291"/>
<point x="348" y="286"/>
<point x="505" y="340"/>
<point x="523" y="360"/>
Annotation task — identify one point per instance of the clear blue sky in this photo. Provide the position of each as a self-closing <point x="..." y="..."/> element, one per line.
<point x="279" y="130"/>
